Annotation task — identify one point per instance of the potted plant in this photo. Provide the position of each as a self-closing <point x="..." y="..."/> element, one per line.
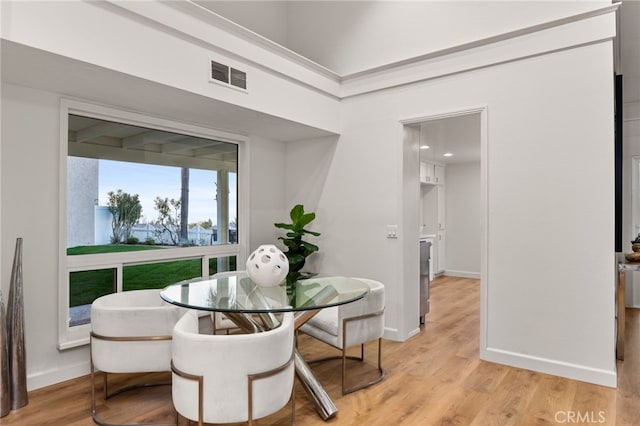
<point x="297" y="249"/>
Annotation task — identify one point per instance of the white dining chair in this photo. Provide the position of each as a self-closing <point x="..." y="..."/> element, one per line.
<point x="232" y="378"/>
<point x="130" y="333"/>
<point x="349" y="325"/>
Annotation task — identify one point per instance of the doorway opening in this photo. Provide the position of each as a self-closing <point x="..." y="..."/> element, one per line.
<point x="445" y="155"/>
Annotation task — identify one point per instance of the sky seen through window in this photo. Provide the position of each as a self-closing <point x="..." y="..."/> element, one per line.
<point x="151" y="181"/>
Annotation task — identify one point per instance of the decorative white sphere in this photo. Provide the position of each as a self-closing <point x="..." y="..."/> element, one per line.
<point x="267" y="266"/>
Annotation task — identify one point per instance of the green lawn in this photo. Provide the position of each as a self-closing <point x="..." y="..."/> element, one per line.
<point x="110" y="248"/>
<point x="86" y="286"/>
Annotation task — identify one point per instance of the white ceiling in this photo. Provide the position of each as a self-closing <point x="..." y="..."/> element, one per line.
<point x="459" y="136"/>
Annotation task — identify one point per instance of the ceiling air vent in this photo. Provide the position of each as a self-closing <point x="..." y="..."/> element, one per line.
<point x="227" y="75"/>
<point x="219" y="72"/>
<point x="238" y="78"/>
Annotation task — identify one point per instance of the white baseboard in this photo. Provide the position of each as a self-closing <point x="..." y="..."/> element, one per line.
<point x="51" y="377"/>
<point x="413" y="332"/>
<point x="550" y="366"/>
<point x="461" y="274"/>
<point x="392" y="334"/>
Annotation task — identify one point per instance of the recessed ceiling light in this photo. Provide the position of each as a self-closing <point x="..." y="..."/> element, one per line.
<point x="447" y="154"/>
<point x="424" y="146"/>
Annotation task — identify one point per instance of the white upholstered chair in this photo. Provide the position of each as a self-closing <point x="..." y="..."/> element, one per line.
<point x="231" y="378"/>
<point x="349" y="325"/>
<point x="130" y="333"/>
<point x="218" y="319"/>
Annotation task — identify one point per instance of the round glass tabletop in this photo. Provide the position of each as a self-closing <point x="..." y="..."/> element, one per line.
<point x="239" y="294"/>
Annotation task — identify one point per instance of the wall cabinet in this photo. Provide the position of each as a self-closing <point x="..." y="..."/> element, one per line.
<point x="440" y="241"/>
<point x="427" y="173"/>
<point x="433" y="211"/>
<point x="438" y="174"/>
<point x="440" y="244"/>
<point x="431" y="173"/>
<point x="440" y="212"/>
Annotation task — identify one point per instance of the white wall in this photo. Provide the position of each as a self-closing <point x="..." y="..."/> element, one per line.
<point x="536" y="150"/>
<point x="302" y="168"/>
<point x="307" y="165"/>
<point x="30" y="203"/>
<point x="464" y="220"/>
<point x="630" y="149"/>
<point x="268" y="190"/>
<point x="629" y="45"/>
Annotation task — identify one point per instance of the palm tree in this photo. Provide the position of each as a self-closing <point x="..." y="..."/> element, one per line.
<point x="184" y="206"/>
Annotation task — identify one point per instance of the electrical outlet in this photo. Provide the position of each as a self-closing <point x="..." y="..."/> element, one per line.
<point x="392" y="231"/>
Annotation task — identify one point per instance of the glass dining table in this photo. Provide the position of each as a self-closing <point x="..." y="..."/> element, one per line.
<point x="254" y="308"/>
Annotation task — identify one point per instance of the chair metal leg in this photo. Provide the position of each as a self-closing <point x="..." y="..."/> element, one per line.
<point x="377" y="379"/>
<point x="200" y="381"/>
<point x="94" y="411"/>
<point x="343" y="356"/>
<point x="108" y="395"/>
<point x="93" y="389"/>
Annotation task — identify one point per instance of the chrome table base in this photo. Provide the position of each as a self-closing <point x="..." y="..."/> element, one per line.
<point x="261" y="322"/>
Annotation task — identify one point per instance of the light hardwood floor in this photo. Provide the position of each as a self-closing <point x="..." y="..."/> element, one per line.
<point x="434" y="378"/>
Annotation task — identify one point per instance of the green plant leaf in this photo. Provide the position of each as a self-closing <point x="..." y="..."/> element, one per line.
<point x="295" y="259"/>
<point x="305" y="219"/>
<point x="288" y="243"/>
<point x="283" y="225"/>
<point x="296" y="213"/>
<point x="310" y="247"/>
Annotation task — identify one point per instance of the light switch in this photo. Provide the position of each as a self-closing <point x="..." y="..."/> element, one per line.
<point x="392" y="231"/>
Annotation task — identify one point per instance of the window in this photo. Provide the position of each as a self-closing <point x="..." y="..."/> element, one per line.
<point x="145" y="203"/>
